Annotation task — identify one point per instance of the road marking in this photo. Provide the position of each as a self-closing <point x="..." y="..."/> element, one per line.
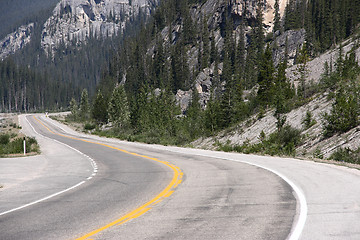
<point x="299" y="224"/>
<point x="93" y="164"/>
<point x="43" y="199"/>
<point x="176" y="180"/>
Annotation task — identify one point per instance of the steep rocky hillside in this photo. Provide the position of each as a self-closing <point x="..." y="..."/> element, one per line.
<point x="314" y="143"/>
<point x="16" y="40"/>
<point x="77" y="20"/>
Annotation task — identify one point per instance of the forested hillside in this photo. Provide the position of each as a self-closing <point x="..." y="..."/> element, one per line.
<point x="221" y="59"/>
<point x="327" y="22"/>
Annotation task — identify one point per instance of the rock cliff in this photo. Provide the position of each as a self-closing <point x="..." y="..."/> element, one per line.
<point x="16" y="40"/>
<point x="76" y="20"/>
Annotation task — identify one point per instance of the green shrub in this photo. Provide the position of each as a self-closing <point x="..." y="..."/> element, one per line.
<point x="16" y="146"/>
<point x="308" y="121"/>
<point x="4" y="139"/>
<point x="346" y="155"/>
<point x="89" y="126"/>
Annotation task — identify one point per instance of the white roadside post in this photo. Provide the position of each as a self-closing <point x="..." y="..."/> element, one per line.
<point x="24" y="146"/>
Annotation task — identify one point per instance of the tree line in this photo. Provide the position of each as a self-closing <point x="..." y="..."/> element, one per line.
<point x="327" y="22"/>
<point x="22" y="89"/>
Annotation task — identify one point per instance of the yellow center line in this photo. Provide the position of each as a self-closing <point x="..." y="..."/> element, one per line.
<point x="143" y="208"/>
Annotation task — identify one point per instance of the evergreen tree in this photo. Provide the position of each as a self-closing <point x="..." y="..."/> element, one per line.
<point x="118" y="108"/>
<point x="99" y="109"/>
<point x="345" y="111"/>
<point x="73" y="107"/>
<point x="212" y="115"/>
<point x="213" y="48"/>
<point x="251" y="71"/>
<point x="205" y="45"/>
<point x="194" y="116"/>
<point x="302" y="71"/>
<point x="259" y="29"/>
<point x="188" y="28"/>
<point x="266" y="78"/>
<point x="240" y="54"/>
<point x="277" y="19"/>
<point x="84" y="104"/>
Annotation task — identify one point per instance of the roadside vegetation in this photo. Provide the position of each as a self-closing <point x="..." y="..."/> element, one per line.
<point x="11" y="141"/>
<point x="280" y="143"/>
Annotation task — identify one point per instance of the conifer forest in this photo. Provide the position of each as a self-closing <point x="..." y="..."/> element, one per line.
<point x="126" y="86"/>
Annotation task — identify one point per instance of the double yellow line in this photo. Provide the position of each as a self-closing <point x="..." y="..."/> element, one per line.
<point x="176" y="180"/>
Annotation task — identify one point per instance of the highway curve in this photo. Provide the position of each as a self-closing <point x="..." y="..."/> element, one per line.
<point x="92" y="189"/>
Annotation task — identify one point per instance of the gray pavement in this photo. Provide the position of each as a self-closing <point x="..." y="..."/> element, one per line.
<point x="222" y="196"/>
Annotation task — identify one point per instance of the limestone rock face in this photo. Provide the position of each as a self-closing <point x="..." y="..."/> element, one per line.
<point x="77" y="20"/>
<point x="292" y="41"/>
<point x="16" y="40"/>
<point x="239" y="5"/>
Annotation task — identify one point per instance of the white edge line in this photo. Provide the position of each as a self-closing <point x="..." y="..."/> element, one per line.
<point x="93" y="164"/>
<point x="299" y="223"/>
<point x="43" y="199"/>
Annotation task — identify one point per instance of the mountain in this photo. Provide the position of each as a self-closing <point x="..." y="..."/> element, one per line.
<point x="70" y="44"/>
<point x="16" y="41"/>
<point x="77" y="20"/>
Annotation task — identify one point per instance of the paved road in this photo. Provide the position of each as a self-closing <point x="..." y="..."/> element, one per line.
<point x="221" y="195"/>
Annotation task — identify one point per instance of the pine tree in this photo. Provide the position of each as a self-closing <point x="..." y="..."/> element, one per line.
<point x="266" y="78"/>
<point x="73" y="107"/>
<point x="250" y="71"/>
<point x="118" y="108"/>
<point x="302" y="71"/>
<point x="259" y="29"/>
<point x="194" y="116"/>
<point x="212" y="115"/>
<point x="188" y="29"/>
<point x="84" y="104"/>
<point x="240" y="53"/>
<point x="205" y="45"/>
<point x="213" y="48"/>
<point x="345" y="111"/>
<point x="277" y="25"/>
<point x="99" y="109"/>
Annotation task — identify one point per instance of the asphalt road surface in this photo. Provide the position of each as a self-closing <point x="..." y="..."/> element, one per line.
<point x="87" y="187"/>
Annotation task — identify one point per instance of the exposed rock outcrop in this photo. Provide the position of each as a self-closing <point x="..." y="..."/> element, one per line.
<point x="288" y="43"/>
<point x="315" y="66"/>
<point x="77" y="20"/>
<point x="16" y="40"/>
<point x="314" y="142"/>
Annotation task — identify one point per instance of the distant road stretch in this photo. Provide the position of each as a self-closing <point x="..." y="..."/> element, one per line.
<point x="87" y="187"/>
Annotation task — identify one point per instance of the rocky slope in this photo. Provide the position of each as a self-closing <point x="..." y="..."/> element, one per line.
<point x="16" y="40"/>
<point x="77" y="20"/>
<point x="314" y="143"/>
<point x="215" y="11"/>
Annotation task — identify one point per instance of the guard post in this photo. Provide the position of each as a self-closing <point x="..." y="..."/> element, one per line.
<point x="24" y="146"/>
